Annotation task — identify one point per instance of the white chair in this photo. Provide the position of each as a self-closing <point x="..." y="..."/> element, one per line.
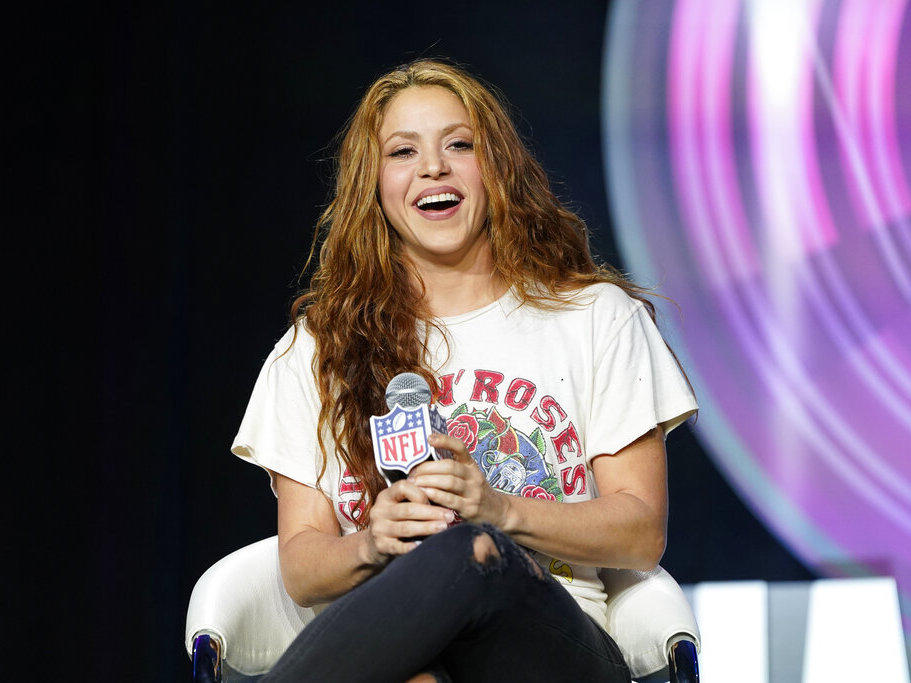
<point x="241" y="619"/>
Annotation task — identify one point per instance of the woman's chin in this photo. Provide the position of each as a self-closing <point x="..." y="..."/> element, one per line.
<point x="451" y="253"/>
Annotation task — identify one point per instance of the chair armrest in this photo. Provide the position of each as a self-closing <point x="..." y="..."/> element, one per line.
<point x="241" y="601"/>
<point x="206" y="659"/>
<point x="647" y="613"/>
<point x="684" y="665"/>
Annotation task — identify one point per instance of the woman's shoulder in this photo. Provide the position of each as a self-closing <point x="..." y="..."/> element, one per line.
<point x="295" y="348"/>
<point x="607" y="302"/>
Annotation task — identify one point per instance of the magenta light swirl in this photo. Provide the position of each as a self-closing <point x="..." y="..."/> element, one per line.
<point x="809" y="215"/>
<point x="772" y="205"/>
<point x="852" y="70"/>
<point x="882" y="116"/>
<point x="806" y="364"/>
<point x="713" y="198"/>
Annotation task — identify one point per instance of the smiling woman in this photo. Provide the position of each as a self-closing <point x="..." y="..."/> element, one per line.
<point x="445" y="253"/>
<point x="431" y="189"/>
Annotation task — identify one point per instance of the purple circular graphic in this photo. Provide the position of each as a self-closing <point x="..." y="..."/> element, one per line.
<point x="758" y="159"/>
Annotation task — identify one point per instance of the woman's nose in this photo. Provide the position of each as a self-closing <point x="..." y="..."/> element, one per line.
<point x="434" y="166"/>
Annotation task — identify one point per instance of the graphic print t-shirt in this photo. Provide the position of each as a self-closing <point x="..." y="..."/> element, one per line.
<point x="534" y="394"/>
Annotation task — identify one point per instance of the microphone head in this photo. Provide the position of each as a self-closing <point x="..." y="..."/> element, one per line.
<point x="408" y="390"/>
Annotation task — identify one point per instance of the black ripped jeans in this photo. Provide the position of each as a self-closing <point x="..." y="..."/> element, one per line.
<point x="438" y="608"/>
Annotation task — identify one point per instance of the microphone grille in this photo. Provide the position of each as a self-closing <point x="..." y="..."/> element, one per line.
<point x="407" y="389"/>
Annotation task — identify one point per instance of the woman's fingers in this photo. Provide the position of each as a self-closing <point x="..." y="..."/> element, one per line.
<point x="411" y="528"/>
<point x="456" y="446"/>
<point x="391" y="536"/>
<point x="460" y="485"/>
<point x="390" y="546"/>
<point x="449" y="500"/>
<point x="406" y="490"/>
<point x="444" y="482"/>
<point x="406" y="501"/>
<point x="465" y="471"/>
<point x="403" y="511"/>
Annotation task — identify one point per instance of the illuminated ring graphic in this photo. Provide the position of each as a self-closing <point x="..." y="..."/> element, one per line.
<point x="757" y="159"/>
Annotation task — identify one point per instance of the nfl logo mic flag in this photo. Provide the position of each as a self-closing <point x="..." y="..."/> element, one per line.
<point x="400" y="439"/>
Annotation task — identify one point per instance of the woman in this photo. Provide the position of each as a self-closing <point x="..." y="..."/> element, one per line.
<point x="445" y="253"/>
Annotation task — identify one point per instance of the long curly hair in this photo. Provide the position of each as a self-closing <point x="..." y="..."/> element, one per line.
<point x="362" y="306"/>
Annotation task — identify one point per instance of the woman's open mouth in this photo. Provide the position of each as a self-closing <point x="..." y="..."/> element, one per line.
<point x="439" y="205"/>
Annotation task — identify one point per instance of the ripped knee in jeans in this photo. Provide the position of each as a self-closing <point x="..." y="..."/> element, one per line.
<point x="533" y="566"/>
<point x="485" y="550"/>
<point x="489" y="546"/>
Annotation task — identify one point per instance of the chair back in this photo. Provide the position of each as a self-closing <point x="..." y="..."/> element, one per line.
<point x="647" y="613"/>
<point x="241" y="601"/>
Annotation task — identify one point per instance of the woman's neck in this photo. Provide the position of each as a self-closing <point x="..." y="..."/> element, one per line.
<point x="451" y="292"/>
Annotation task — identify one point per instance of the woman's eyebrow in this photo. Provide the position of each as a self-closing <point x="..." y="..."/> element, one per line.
<point x="412" y="135"/>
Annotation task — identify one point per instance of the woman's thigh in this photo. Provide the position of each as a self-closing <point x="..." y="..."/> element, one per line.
<point x="468" y="598"/>
<point x="528" y="627"/>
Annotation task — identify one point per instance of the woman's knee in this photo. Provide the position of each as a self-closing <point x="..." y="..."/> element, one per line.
<point x="485" y="547"/>
<point x="484" y="550"/>
<point x="465" y="540"/>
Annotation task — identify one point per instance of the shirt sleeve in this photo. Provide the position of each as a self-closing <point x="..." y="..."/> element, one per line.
<point x="278" y="430"/>
<point x="637" y="385"/>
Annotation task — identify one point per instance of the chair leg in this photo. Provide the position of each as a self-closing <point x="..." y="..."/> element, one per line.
<point x="684" y="666"/>
<point x="206" y="659"/>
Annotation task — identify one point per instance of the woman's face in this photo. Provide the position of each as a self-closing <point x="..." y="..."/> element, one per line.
<point x="430" y="185"/>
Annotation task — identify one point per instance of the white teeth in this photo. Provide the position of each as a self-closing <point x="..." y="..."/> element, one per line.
<point x="445" y="197"/>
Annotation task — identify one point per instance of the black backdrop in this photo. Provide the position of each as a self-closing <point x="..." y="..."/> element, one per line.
<point x="170" y="164"/>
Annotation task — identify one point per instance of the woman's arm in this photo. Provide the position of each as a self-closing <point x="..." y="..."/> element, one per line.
<point x="318" y="564"/>
<point x="624" y="527"/>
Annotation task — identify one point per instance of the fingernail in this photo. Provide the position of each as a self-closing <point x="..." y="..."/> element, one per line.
<point x="450" y="515"/>
<point x="439" y="526"/>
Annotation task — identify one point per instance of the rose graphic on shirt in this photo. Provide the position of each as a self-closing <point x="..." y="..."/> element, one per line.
<point x="512" y="461"/>
<point x="532" y="491"/>
<point x="465" y="428"/>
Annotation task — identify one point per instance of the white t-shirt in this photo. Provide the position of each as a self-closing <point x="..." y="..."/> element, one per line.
<point x="535" y="394"/>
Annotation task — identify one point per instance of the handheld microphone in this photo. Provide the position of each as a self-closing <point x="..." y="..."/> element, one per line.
<point x="400" y="436"/>
<point x="407" y="389"/>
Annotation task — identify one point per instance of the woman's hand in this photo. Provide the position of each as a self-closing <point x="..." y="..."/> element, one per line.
<point x="459" y="484"/>
<point x="401" y="511"/>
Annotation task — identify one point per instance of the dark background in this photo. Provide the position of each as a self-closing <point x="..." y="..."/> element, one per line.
<point x="168" y="165"/>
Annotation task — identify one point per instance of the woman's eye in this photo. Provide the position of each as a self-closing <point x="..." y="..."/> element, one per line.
<point x="402" y="152"/>
<point x="462" y="145"/>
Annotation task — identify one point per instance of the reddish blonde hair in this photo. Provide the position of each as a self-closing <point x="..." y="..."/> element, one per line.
<point x="361" y="306"/>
